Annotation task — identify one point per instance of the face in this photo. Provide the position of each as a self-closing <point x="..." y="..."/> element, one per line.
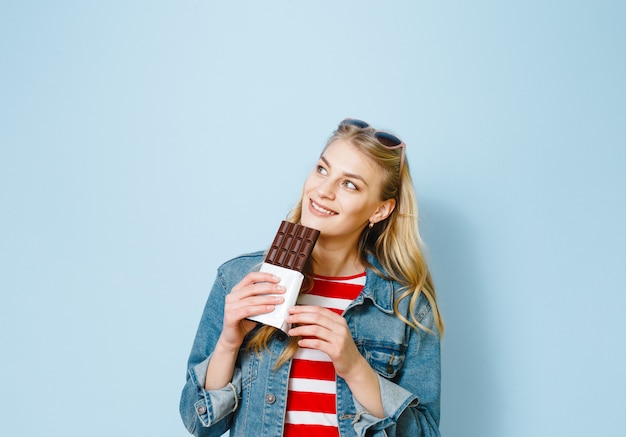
<point x="341" y="196"/>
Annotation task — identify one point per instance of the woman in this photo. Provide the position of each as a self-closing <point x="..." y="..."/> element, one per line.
<point x="362" y="356"/>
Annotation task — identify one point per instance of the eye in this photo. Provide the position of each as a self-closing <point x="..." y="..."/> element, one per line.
<point x="350" y="185"/>
<point x="322" y="170"/>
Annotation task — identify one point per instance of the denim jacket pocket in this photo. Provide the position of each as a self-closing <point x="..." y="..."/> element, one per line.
<point x="385" y="358"/>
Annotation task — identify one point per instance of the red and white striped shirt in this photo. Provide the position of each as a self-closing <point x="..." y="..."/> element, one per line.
<point x="311" y="400"/>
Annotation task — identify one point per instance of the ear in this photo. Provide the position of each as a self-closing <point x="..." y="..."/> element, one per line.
<point x="383" y="211"/>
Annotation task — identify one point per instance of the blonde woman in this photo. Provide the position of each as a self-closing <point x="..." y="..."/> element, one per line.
<point x="363" y="354"/>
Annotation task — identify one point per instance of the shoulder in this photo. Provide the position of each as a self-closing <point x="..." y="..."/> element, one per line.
<point x="233" y="270"/>
<point x="242" y="264"/>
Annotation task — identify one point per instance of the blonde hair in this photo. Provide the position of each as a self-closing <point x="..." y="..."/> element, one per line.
<point x="395" y="241"/>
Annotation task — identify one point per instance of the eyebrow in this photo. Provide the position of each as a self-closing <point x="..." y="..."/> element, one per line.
<point x="349" y="175"/>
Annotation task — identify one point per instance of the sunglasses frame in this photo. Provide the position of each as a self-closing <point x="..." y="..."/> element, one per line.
<point x="378" y="134"/>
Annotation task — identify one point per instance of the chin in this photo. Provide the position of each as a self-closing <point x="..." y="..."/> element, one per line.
<point x="313" y="222"/>
<point x="309" y="222"/>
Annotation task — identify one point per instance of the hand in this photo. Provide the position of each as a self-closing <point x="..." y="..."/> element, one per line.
<point x="327" y="331"/>
<point x="255" y="294"/>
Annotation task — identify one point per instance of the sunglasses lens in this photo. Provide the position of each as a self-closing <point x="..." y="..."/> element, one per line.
<point x="387" y="139"/>
<point x="354" y="122"/>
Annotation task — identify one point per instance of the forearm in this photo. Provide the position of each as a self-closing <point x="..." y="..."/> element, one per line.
<point x="365" y="388"/>
<point x="221" y="367"/>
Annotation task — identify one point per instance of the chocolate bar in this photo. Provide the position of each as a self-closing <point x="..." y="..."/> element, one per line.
<point x="286" y="258"/>
<point x="292" y="246"/>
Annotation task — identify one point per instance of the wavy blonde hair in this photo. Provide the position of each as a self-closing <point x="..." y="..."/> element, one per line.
<point x="395" y="241"/>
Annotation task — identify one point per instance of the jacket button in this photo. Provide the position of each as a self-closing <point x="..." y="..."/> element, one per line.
<point x="270" y="398"/>
<point x="281" y="336"/>
<point x="201" y="409"/>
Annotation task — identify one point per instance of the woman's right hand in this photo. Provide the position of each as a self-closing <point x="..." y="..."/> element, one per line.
<point x="257" y="293"/>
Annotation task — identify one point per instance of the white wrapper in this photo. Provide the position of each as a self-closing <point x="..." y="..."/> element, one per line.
<point x="292" y="281"/>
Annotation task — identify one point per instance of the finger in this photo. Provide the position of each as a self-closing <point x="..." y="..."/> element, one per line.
<point x="307" y="314"/>
<point x="257" y="277"/>
<point x="299" y="309"/>
<point x="337" y="345"/>
<point x="254" y="289"/>
<point x="239" y="309"/>
<point x="311" y="331"/>
<point x="315" y="343"/>
<point x="314" y="309"/>
<point x="236" y="315"/>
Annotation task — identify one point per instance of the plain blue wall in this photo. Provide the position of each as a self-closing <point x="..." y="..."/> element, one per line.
<point x="144" y="143"/>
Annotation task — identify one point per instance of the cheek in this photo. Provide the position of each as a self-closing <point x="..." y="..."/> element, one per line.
<point x="363" y="210"/>
<point x="308" y="184"/>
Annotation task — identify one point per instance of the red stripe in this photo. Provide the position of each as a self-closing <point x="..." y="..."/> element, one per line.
<point x="314" y="402"/>
<point x="336" y="290"/>
<point x="341" y="278"/>
<point x="306" y="369"/>
<point x="292" y="430"/>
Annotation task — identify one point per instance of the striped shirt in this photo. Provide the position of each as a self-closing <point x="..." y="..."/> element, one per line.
<point x="311" y="400"/>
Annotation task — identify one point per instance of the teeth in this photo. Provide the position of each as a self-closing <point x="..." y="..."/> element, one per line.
<point x="322" y="210"/>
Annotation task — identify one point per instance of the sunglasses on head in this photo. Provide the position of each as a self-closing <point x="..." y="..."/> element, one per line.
<point x="387" y="140"/>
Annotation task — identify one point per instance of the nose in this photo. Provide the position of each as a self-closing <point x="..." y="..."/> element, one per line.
<point x="326" y="189"/>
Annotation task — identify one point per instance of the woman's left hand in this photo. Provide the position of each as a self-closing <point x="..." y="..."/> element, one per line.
<point x="327" y="331"/>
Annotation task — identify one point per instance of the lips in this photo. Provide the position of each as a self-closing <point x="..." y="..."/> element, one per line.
<point x="322" y="210"/>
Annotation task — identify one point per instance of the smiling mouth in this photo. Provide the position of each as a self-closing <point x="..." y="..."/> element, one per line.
<point x="318" y="208"/>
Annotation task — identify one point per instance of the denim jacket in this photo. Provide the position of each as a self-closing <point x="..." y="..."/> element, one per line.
<point x="253" y="404"/>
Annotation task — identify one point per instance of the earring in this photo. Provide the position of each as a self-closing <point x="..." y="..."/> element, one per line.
<point x="371" y="225"/>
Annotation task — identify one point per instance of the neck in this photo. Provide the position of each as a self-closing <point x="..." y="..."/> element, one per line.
<point x="336" y="261"/>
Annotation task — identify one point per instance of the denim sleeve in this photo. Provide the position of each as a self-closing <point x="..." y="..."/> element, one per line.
<point x="208" y="413"/>
<point x="411" y="400"/>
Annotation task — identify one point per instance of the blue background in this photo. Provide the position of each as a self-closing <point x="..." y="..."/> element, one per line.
<point x="145" y="142"/>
